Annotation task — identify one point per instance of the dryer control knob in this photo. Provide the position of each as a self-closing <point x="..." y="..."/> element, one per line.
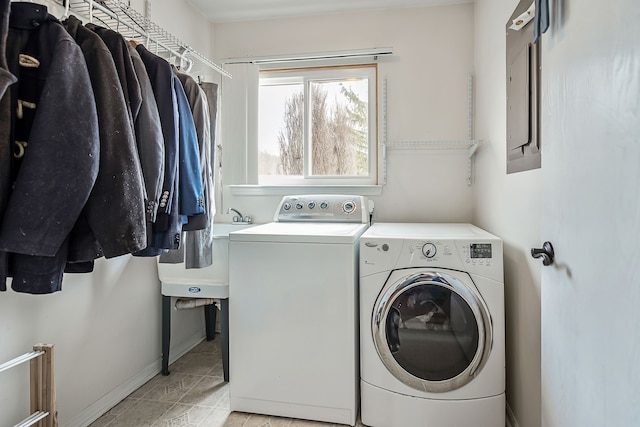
<point x="349" y="206"/>
<point x="429" y="250"/>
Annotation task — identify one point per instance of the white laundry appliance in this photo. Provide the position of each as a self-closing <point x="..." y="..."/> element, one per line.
<point x="431" y="326"/>
<point x="293" y="318"/>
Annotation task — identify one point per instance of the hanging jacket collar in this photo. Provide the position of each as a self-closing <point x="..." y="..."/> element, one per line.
<point x="28" y="16"/>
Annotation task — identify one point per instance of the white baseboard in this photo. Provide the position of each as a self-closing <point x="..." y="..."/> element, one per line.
<point x="115" y="396"/>
<point x="185" y="346"/>
<point x="511" y="418"/>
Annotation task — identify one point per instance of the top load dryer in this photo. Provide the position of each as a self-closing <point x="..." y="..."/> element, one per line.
<point x="293" y="299"/>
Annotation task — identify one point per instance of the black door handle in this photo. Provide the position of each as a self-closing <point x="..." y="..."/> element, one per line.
<point x="546" y="253"/>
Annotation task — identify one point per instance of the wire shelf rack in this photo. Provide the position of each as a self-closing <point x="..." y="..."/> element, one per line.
<point x="121" y="17"/>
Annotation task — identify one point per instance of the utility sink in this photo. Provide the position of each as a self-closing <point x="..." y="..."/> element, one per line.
<point x="208" y="282"/>
<point x="205" y="285"/>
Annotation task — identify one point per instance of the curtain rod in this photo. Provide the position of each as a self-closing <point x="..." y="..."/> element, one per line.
<point x="310" y="56"/>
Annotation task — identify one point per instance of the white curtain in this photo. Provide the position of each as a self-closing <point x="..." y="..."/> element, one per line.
<point x="239" y="125"/>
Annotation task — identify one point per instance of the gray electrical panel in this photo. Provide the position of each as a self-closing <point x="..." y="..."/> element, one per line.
<point x="523" y="92"/>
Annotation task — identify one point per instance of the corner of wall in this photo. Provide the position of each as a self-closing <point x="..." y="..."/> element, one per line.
<point x="508" y="206"/>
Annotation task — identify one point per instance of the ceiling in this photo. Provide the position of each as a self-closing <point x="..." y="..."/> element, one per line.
<point x="249" y="10"/>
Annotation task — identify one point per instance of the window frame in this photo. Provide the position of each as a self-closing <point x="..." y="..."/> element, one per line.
<point x="323" y="73"/>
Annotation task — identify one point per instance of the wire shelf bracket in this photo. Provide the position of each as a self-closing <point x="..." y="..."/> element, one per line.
<point x="470" y="145"/>
<point x="121" y="17"/>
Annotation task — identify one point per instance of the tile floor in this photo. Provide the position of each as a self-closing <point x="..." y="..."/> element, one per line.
<point x="193" y="395"/>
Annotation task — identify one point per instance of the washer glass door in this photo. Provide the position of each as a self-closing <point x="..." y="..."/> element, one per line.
<point x="432" y="331"/>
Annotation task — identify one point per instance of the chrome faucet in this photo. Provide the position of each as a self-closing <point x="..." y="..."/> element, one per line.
<point x="239" y="219"/>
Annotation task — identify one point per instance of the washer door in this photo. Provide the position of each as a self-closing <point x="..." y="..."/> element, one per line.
<point x="432" y="331"/>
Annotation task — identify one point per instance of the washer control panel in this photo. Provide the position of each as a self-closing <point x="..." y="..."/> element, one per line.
<point x="323" y="208"/>
<point x="475" y="253"/>
<point x="463" y="247"/>
<point x="479" y="257"/>
<point x="456" y="254"/>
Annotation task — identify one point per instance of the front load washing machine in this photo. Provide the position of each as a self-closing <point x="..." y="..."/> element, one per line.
<point x="293" y="318"/>
<point x="431" y="326"/>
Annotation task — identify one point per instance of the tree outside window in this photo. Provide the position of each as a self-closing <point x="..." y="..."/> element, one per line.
<point x="315" y="125"/>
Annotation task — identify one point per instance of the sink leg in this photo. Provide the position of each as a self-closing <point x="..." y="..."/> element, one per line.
<point x="166" y="332"/>
<point x="224" y="336"/>
<point x="210" y="321"/>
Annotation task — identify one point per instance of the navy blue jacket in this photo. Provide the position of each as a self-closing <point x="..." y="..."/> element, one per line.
<point x="191" y="195"/>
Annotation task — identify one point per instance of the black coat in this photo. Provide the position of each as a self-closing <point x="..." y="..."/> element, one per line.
<point x="115" y="211"/>
<point x="167" y="227"/>
<point x="6" y="79"/>
<point x="55" y="135"/>
<point x="126" y="73"/>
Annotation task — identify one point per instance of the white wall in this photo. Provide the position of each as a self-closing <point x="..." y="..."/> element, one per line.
<point x="105" y="325"/>
<point x="427" y="100"/>
<point x="509" y="206"/>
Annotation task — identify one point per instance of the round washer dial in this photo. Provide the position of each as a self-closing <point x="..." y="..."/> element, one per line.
<point x="349" y="206"/>
<point x="429" y="250"/>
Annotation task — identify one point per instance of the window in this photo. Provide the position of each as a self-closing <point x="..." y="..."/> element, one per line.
<point x="317" y="126"/>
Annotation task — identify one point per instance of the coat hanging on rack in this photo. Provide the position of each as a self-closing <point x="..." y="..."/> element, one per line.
<point x="6" y="79"/>
<point x="191" y="200"/>
<point x="196" y="250"/>
<point x="124" y="67"/>
<point x="160" y="76"/>
<point x="55" y="123"/>
<point x="115" y="211"/>
<point x="93" y="166"/>
<point x="149" y="139"/>
<point x="199" y="246"/>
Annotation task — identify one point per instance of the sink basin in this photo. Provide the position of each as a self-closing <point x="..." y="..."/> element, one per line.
<point x="208" y="282"/>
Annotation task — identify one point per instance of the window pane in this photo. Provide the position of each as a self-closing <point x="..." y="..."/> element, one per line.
<point x="339" y="127"/>
<point x="317" y="126"/>
<point x="281" y="131"/>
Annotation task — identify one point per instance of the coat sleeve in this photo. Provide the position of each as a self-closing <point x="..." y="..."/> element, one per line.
<point x="60" y="165"/>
